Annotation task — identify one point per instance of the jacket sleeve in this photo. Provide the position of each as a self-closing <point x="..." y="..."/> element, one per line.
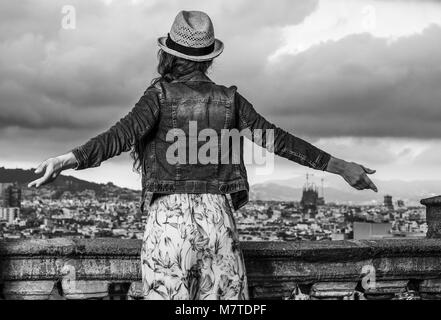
<point x="121" y="136"/>
<point x="284" y="144"/>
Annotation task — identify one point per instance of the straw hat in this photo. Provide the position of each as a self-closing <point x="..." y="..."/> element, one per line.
<point x="192" y="37"/>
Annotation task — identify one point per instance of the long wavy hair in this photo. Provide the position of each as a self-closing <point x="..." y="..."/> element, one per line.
<point x="169" y="68"/>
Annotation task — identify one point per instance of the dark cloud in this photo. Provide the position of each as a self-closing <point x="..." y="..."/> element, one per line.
<point x="358" y="86"/>
<point x="90" y="76"/>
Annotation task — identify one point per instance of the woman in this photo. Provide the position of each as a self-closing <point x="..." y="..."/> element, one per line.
<point x="190" y="248"/>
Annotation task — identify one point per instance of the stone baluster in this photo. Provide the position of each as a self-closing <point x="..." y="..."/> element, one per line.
<point x="74" y="288"/>
<point x="28" y="290"/>
<point x="430" y="289"/>
<point x="333" y="290"/>
<point x="135" y="291"/>
<point x="386" y="290"/>
<point x="433" y="216"/>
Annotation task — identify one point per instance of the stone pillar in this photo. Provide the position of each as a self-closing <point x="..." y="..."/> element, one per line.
<point x="433" y="216"/>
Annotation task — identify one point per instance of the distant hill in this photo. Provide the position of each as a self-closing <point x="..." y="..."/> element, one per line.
<point x="62" y="183"/>
<point x="336" y="190"/>
<point x="274" y="191"/>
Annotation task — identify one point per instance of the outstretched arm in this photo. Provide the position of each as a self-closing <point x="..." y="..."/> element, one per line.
<point x="119" y="138"/>
<point x="295" y="149"/>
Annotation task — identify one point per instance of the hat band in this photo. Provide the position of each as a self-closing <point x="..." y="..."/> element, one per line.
<point x="188" y="50"/>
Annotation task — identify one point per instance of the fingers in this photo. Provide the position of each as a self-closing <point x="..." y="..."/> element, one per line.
<point x="44" y="179"/>
<point x="359" y="186"/>
<point x="41" y="166"/>
<point x="39" y="169"/>
<point x="368" y="171"/>
<point x="365" y="183"/>
<point x="34" y="183"/>
<point x="37" y="183"/>
<point x="370" y="184"/>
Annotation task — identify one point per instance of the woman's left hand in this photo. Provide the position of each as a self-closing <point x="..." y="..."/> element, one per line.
<point x="355" y="174"/>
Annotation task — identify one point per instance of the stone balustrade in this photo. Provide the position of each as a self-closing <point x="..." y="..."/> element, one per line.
<point x="110" y="268"/>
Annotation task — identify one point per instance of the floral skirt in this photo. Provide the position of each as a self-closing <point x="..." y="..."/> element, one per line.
<point x="191" y="250"/>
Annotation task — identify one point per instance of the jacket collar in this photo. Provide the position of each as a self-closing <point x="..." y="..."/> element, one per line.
<point x="194" y="76"/>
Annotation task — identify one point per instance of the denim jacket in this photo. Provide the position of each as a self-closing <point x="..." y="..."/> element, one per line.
<point x="193" y="99"/>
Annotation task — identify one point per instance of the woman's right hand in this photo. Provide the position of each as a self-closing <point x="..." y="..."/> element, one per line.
<point x="355" y="174"/>
<point x="52" y="167"/>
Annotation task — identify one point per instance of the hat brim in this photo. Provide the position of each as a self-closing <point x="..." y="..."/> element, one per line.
<point x="218" y="48"/>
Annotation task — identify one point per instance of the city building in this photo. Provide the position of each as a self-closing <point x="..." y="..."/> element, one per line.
<point x="9" y="214"/>
<point x="370" y="231"/>
<point x="10" y="202"/>
<point x="87" y="214"/>
<point x="10" y="195"/>
<point x="310" y="198"/>
<point x="3" y="187"/>
<point x="388" y="202"/>
<point x="321" y="200"/>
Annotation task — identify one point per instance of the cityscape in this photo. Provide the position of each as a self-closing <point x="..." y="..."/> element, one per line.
<point x="66" y="211"/>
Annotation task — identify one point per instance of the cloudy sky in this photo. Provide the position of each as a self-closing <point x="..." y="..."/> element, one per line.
<point x="360" y="79"/>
